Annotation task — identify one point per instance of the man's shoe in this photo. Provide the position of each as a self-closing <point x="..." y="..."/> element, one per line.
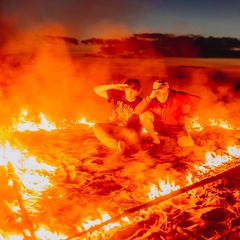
<point x="122" y="146"/>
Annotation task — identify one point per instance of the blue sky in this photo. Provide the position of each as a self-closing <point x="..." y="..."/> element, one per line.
<point x="115" y="18"/>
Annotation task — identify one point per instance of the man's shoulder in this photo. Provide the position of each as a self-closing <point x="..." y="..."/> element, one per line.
<point x="178" y="92"/>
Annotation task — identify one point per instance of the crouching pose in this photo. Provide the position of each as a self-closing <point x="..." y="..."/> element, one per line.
<point x="163" y="112"/>
<point x="123" y="128"/>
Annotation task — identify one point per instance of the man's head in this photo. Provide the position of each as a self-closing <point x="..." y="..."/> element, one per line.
<point x="134" y="84"/>
<point x="133" y="89"/>
<point x="160" y="84"/>
<point x="162" y="90"/>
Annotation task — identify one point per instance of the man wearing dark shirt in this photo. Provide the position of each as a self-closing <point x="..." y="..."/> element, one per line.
<point x="123" y="128"/>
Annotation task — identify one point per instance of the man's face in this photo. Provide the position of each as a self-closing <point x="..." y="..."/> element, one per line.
<point x="162" y="95"/>
<point x="131" y="94"/>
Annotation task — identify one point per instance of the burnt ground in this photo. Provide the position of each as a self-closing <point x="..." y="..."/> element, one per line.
<point x="91" y="180"/>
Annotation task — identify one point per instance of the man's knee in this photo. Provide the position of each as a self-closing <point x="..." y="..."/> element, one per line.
<point x="97" y="128"/>
<point x="132" y="137"/>
<point x="185" y="141"/>
<point x="146" y="116"/>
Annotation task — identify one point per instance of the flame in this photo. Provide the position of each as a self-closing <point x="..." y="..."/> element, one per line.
<point x="221" y="123"/>
<point x="234" y="151"/>
<point x="10" y="237"/>
<point x="194" y="125"/>
<point x="88" y="223"/>
<point x="213" y="160"/>
<point x="43" y="233"/>
<point x="30" y="176"/>
<point x="26" y="169"/>
<point x="83" y="121"/>
<point x="189" y="178"/>
<point x="104" y="217"/>
<point x="22" y="124"/>
<point x="162" y="188"/>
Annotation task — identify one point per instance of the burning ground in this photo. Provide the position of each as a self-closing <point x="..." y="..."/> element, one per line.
<point x="59" y="182"/>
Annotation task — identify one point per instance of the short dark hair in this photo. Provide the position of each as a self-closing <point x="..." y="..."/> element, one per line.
<point x="163" y="84"/>
<point x="134" y="84"/>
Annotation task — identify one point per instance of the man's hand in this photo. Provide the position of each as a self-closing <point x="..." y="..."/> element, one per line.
<point x="157" y="85"/>
<point x="155" y="90"/>
<point x="153" y="94"/>
<point x="101" y="90"/>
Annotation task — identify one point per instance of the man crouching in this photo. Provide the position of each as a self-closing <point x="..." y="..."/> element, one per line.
<point x="164" y="112"/>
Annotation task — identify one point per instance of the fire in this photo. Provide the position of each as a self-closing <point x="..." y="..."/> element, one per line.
<point x="30" y="176"/>
<point x="25" y="168"/>
<point x="43" y="233"/>
<point x="221" y="123"/>
<point x="163" y="187"/>
<point x="88" y="223"/>
<point x="22" y="124"/>
<point x="34" y="176"/>
<point x="83" y="121"/>
<point x="194" y="125"/>
<point x="234" y="151"/>
<point x="213" y="160"/>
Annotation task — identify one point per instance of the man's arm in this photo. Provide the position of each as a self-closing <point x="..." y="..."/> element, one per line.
<point x="143" y="105"/>
<point x="101" y="90"/>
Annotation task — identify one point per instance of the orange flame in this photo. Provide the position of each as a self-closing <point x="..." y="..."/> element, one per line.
<point x="162" y="188"/>
<point x="221" y="123"/>
<point x="29" y="175"/>
<point x="194" y="125"/>
<point x="83" y="121"/>
<point x="22" y="124"/>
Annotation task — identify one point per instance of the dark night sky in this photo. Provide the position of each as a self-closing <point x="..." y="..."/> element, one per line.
<point x="103" y="18"/>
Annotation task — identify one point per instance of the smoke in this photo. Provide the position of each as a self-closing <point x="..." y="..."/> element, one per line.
<point x="43" y="76"/>
<point x="215" y="85"/>
<point x="52" y="81"/>
<point x="80" y="18"/>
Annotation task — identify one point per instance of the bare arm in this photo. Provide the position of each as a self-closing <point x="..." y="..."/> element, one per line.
<point x="101" y="90"/>
<point x="143" y="105"/>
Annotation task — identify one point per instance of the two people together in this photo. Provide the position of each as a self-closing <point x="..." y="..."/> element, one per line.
<point x="161" y="113"/>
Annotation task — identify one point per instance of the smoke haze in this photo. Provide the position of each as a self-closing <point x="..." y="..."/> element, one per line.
<point x="44" y="76"/>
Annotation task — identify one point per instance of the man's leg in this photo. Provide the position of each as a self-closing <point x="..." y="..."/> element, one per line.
<point x="129" y="136"/>
<point x="147" y="120"/>
<point x="182" y="135"/>
<point x="116" y="137"/>
<point x="103" y="132"/>
<point x="185" y="141"/>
